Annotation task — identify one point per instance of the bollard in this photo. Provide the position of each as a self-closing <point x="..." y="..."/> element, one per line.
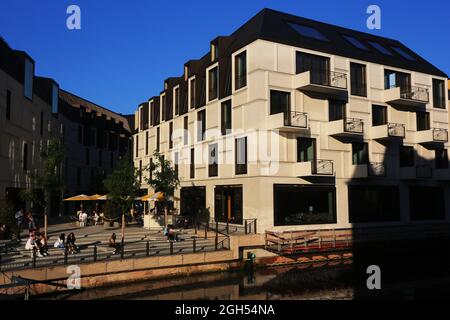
<point x="95" y="253"/>
<point x="147" y="249"/>
<point x="194" y="245"/>
<point x="246" y="225"/>
<point x="171" y="247"/>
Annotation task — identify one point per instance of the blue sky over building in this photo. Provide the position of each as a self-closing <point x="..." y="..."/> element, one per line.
<point x="126" y="49"/>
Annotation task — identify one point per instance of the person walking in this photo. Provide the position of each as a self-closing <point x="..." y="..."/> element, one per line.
<point x="70" y="243"/>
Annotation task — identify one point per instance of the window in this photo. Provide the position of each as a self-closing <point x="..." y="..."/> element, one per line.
<point x="150" y="173"/>
<point x="213" y="82"/>
<point x="192" y="164"/>
<point x="373" y="203"/>
<point x="158" y="138"/>
<point x="394" y="79"/>
<point x="406" y="156"/>
<point x="441" y="158"/>
<point x="318" y="66"/>
<point x="213" y="161"/>
<point x="171" y="135"/>
<point x="423" y="121"/>
<point x="177" y="100"/>
<point x="176" y="162"/>
<point x="228" y="204"/>
<point x="28" y="79"/>
<point x="240" y="72"/>
<point x="279" y="102"/>
<point x="379" y="115"/>
<point x="304" y="205"/>
<point x="201" y="125"/>
<point x="186" y="130"/>
<point x="140" y="171"/>
<point x="41" y="125"/>
<point x="360" y="153"/>
<point x="336" y="110"/>
<point x="214" y="52"/>
<point x="8" y="105"/>
<point x="306" y="149"/>
<point x="308" y="31"/>
<point x="356" y="43"/>
<point x="25" y="157"/>
<point x="163" y="106"/>
<point x="226" y="117"/>
<point x="100" y="158"/>
<point x="137" y="146"/>
<point x="55" y="91"/>
<point x="241" y="155"/>
<point x="87" y="156"/>
<point x="380" y="48"/>
<point x="78" y="176"/>
<point x="403" y="53"/>
<point x="431" y="209"/>
<point x="192" y="94"/>
<point x="438" y="93"/>
<point x="358" y="79"/>
<point x="146" y="142"/>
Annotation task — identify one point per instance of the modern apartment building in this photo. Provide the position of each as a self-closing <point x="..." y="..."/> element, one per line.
<point x="32" y="109"/>
<point x="304" y="125"/>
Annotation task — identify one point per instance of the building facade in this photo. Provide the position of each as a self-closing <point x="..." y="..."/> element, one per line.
<point x="304" y="125"/>
<point x="32" y="109"/>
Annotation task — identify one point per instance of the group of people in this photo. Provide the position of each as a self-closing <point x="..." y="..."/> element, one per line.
<point x="22" y="217"/>
<point x="37" y="243"/>
<point x="94" y="218"/>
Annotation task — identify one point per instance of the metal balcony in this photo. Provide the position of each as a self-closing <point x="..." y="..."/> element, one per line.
<point x="346" y="127"/>
<point x="377" y="169"/>
<point x="432" y="136"/>
<point x="296" y="119"/>
<point x="388" y="131"/>
<point x="412" y="97"/>
<point x="322" y="167"/>
<point x="333" y="83"/>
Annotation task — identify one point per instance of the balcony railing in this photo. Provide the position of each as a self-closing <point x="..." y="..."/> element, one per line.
<point x="396" y="130"/>
<point x="322" y="167"/>
<point x="440" y="135"/>
<point x="415" y="93"/>
<point x="424" y="172"/>
<point x="296" y="119"/>
<point x="377" y="169"/>
<point x="330" y="79"/>
<point x="353" y="125"/>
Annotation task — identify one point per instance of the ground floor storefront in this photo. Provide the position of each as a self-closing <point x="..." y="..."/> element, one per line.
<point x="286" y="204"/>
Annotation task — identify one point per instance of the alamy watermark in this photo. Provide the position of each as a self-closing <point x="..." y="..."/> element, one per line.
<point x="374" y="20"/>
<point x="73" y="21"/>
<point x="74" y="279"/>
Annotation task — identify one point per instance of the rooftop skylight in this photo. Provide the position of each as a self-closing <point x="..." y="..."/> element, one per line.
<point x="355" y="42"/>
<point x="308" y="31"/>
<point x="404" y="54"/>
<point x="380" y="48"/>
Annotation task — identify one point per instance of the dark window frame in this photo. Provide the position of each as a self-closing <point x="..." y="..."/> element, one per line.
<point x="201" y="125"/>
<point x="213" y="161"/>
<point x="8" y="104"/>
<point x="213" y="83"/>
<point x="276" y="104"/>
<point x="438" y="94"/>
<point x="358" y="79"/>
<point x="360" y="153"/>
<point x="240" y="70"/>
<point x="379" y="110"/>
<point x="241" y="168"/>
<point x="226" y="117"/>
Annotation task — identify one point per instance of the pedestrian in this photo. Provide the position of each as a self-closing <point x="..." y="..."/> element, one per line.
<point x="43" y="244"/>
<point x="70" y="243"/>
<point x="32" y="246"/>
<point x="30" y="220"/>
<point x="60" y="242"/>
<point x="83" y="219"/>
<point x="113" y="243"/>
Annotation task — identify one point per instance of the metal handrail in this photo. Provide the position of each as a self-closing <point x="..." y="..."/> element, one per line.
<point x="414" y="93"/>
<point x="396" y="130"/>
<point x="353" y="125"/>
<point x="377" y="169"/>
<point x="440" y="134"/>
<point x="296" y="119"/>
<point x="322" y="167"/>
<point x="330" y="79"/>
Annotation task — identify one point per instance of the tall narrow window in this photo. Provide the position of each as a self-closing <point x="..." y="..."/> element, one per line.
<point x="176" y="94"/>
<point x="441" y="158"/>
<point x="201" y="125"/>
<point x="151" y="170"/>
<point x="438" y="94"/>
<point x="240" y="72"/>
<point x="213" y="83"/>
<point x="358" y="79"/>
<point x="336" y="110"/>
<point x="137" y="146"/>
<point x="193" y="100"/>
<point x="318" y="66"/>
<point x="393" y="79"/>
<point x="176" y="162"/>
<point x="171" y="135"/>
<point x="41" y="125"/>
<point x="163" y="107"/>
<point x="8" y="105"/>
<point x="226" y="117"/>
<point x="25" y="157"/>
<point x="146" y="143"/>
<point x="213" y="168"/>
<point x="423" y="121"/>
<point x="192" y="165"/>
<point x="241" y="155"/>
<point x="279" y="102"/>
<point x="185" y="130"/>
<point x="360" y="153"/>
<point x="140" y="171"/>
<point x="28" y="79"/>
<point x="306" y="149"/>
<point x="379" y="115"/>
<point x="55" y="106"/>
<point x="158" y="139"/>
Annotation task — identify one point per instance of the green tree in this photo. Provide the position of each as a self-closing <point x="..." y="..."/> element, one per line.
<point x="164" y="178"/>
<point x="48" y="179"/>
<point x="123" y="187"/>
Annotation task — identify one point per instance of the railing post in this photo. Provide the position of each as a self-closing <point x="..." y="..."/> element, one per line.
<point x="194" y="245"/>
<point x="217" y="226"/>
<point x="95" y="253"/>
<point x="246" y="225"/>
<point x="34" y="257"/>
<point x="255" y="226"/>
<point x="216" y="241"/>
<point x="65" y="255"/>
<point x="171" y="247"/>
<point x="206" y="229"/>
<point x="147" y="249"/>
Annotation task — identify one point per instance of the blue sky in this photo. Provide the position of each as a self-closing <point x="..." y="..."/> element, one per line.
<point x="127" y="48"/>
